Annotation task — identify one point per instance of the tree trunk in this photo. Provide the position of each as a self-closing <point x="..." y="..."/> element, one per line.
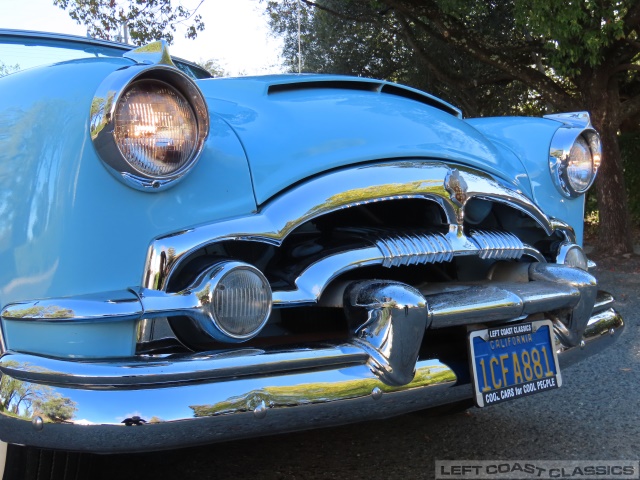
<point x="614" y="233"/>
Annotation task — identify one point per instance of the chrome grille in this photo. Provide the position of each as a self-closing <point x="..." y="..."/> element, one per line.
<point x="497" y="245"/>
<point x="414" y="248"/>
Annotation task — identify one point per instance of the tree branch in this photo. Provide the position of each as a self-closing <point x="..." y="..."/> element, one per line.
<point x="450" y="31"/>
<point x="630" y="108"/>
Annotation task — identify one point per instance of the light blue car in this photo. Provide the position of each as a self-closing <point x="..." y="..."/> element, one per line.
<point x="186" y="260"/>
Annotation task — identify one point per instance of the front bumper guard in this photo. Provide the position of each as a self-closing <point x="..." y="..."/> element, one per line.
<point x="162" y="404"/>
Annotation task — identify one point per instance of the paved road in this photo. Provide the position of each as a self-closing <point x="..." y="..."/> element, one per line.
<point x="594" y="416"/>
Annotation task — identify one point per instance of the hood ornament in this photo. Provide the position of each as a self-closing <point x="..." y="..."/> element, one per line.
<point x="457" y="188"/>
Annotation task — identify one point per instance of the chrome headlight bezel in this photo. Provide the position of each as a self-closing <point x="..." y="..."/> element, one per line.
<point x="576" y="128"/>
<point x="103" y="123"/>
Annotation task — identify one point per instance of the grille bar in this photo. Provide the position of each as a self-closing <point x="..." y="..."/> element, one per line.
<point x="414" y="248"/>
<point x="497" y="245"/>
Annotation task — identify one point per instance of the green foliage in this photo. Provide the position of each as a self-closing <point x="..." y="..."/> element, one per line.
<point x="575" y="34"/>
<point x="147" y="20"/>
<point x="56" y="407"/>
<point x="368" y="38"/>
<point x="213" y="67"/>
<point x="22" y="399"/>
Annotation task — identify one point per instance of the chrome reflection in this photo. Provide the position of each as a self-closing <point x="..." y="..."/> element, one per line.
<point x="334" y="191"/>
<point x="118" y="305"/>
<point x="224" y="409"/>
<point x="399" y="249"/>
<point x="497" y="245"/>
<point x="27" y="400"/>
<point x="395" y="318"/>
<point x="570" y="324"/>
<point x="151" y="54"/>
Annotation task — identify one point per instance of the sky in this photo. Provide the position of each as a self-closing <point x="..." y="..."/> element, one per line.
<point x="236" y="32"/>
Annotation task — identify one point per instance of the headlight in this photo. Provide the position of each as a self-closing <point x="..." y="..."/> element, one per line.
<point x="148" y="124"/>
<point x="575" y="155"/>
<point x="155" y="128"/>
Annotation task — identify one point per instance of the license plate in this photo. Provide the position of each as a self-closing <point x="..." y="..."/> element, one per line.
<point x="512" y="361"/>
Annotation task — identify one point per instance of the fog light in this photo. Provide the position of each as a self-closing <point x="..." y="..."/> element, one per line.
<point x="229" y="302"/>
<point x="573" y="256"/>
<point x="240" y="301"/>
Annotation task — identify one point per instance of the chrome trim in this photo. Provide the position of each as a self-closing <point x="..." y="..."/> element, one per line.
<point x="565" y="229"/>
<point x="602" y="329"/>
<point x="522" y="290"/>
<point x="569" y="325"/>
<point x="563" y="251"/>
<point x="411" y="249"/>
<point x="199" y="301"/>
<point x="469" y="304"/>
<point x="572" y="119"/>
<point x="207" y="412"/>
<point x="575" y="125"/>
<point x="232" y="407"/>
<point x="119" y="305"/>
<point x="411" y="179"/>
<point x="497" y="245"/>
<point x="154" y="53"/>
<point x="396" y="318"/>
<point x="394" y="250"/>
<point x="529" y="251"/>
<point x="105" y="101"/>
<point x="144" y="372"/>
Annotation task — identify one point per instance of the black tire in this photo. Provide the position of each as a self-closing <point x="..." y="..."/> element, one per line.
<point x="30" y="463"/>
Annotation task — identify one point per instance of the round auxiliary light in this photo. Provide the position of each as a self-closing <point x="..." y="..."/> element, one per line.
<point x="572" y="255"/>
<point x="240" y="301"/>
<point x="155" y="128"/>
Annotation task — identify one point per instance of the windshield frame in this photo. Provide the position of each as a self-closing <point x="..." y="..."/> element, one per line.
<point x="89" y="45"/>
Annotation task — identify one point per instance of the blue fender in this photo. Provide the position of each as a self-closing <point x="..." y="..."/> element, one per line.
<point x="67" y="226"/>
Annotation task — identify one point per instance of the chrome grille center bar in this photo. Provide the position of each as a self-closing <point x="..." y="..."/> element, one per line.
<point x="395" y="250"/>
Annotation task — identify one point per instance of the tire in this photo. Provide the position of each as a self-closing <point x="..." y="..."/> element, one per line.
<point x="30" y="463"/>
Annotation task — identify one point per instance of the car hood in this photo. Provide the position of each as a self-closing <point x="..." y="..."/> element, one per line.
<point x="293" y="127"/>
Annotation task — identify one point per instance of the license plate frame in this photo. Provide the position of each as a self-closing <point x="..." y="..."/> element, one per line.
<point x="500" y="369"/>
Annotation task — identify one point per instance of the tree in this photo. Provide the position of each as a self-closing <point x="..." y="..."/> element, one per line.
<point x="213" y="67"/>
<point x="7" y="69"/>
<point x="539" y="55"/>
<point x="349" y="38"/>
<point x="55" y="407"/>
<point x="145" y="20"/>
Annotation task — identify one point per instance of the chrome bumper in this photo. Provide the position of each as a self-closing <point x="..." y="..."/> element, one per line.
<point x="178" y="402"/>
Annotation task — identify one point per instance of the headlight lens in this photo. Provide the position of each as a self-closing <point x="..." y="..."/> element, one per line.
<point x="148" y="124"/>
<point x="580" y="169"/>
<point x="155" y="128"/>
